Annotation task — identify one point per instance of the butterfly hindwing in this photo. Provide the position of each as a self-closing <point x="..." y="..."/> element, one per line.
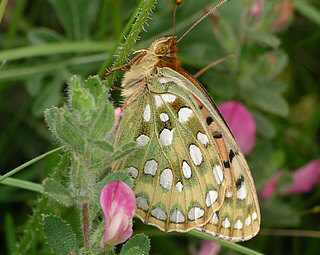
<point x="178" y="173"/>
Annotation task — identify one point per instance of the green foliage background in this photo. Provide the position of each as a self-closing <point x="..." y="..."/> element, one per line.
<point x="275" y="73"/>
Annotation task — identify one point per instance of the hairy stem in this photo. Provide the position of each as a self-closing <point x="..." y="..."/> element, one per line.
<point x="86" y="225"/>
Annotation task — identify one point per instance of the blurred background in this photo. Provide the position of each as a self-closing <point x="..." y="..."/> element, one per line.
<point x="274" y="74"/>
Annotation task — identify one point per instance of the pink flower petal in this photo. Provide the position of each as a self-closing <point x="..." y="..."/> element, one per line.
<point x="208" y="247"/>
<point x="118" y="204"/>
<point x="269" y="189"/>
<point x="241" y="123"/>
<point x="117" y="112"/>
<point x="256" y="10"/>
<point x="304" y="178"/>
<point x="285" y="10"/>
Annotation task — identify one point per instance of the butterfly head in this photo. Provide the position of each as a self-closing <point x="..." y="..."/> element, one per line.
<point x="165" y="50"/>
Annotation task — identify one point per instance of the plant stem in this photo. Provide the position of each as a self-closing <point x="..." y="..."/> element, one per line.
<point x="86" y="225"/>
<point x="144" y="12"/>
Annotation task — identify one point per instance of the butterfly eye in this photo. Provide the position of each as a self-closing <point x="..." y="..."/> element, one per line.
<point x="161" y="50"/>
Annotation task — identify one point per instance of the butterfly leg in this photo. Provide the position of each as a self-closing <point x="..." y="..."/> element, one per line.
<point x="116" y="88"/>
<point x="135" y="92"/>
<point x="135" y="58"/>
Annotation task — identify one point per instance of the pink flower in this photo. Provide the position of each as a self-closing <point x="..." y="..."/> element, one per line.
<point x="241" y="123"/>
<point x="256" y="10"/>
<point x="117" y="112"/>
<point x="285" y="10"/>
<point x="118" y="204"/>
<point x="269" y="189"/>
<point x="208" y="247"/>
<point x="304" y="178"/>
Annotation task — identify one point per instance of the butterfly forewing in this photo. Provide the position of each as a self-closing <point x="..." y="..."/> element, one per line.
<point x="238" y="219"/>
<point x="178" y="173"/>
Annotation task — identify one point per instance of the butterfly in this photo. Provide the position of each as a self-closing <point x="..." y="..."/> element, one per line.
<point x="189" y="172"/>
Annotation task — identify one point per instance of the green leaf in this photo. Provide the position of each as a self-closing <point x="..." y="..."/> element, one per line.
<point x="270" y="101"/>
<point x="277" y="86"/>
<point x="64" y="128"/>
<point x="11" y="238"/>
<point x="59" y="235"/>
<point x="267" y="39"/>
<point x="57" y="191"/>
<point x="34" y="84"/>
<point x="264" y="126"/>
<point x="3" y="5"/>
<point x="139" y="243"/>
<point x="104" y="145"/>
<point x="62" y="167"/>
<point x="40" y="36"/>
<point x="134" y="251"/>
<point x="308" y="10"/>
<point x="227" y="36"/>
<point x="103" y="122"/>
<point x="123" y="151"/>
<point x="269" y="65"/>
<point x="97" y="89"/>
<point x="76" y="16"/>
<point x="31" y="233"/>
<point x="79" y="98"/>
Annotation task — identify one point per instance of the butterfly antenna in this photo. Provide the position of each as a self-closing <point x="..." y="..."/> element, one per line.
<point x="174" y="16"/>
<point x="203" y="17"/>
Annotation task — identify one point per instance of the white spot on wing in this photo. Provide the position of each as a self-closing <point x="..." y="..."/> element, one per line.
<point x="211" y="197"/>
<point x="159" y="101"/>
<point x="164" y="117"/>
<point x="179" y="187"/>
<point x="184" y="114"/>
<point x="166" y="80"/>
<point x="142" y="203"/>
<point x="151" y="167"/>
<point x="159" y="214"/>
<point x="228" y="194"/>
<point x="195" y="154"/>
<point x="166" y="136"/>
<point x="203" y="138"/>
<point x="226" y="223"/>
<point x="195" y="213"/>
<point x="177" y="217"/>
<point x="254" y="216"/>
<point x="214" y="218"/>
<point x="186" y="170"/>
<point x="142" y="140"/>
<point x="218" y="174"/>
<point x="238" y="225"/>
<point x="147" y="113"/>
<point x="248" y="220"/>
<point x="166" y="178"/>
<point x="169" y="98"/>
<point x="242" y="193"/>
<point x="132" y="171"/>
